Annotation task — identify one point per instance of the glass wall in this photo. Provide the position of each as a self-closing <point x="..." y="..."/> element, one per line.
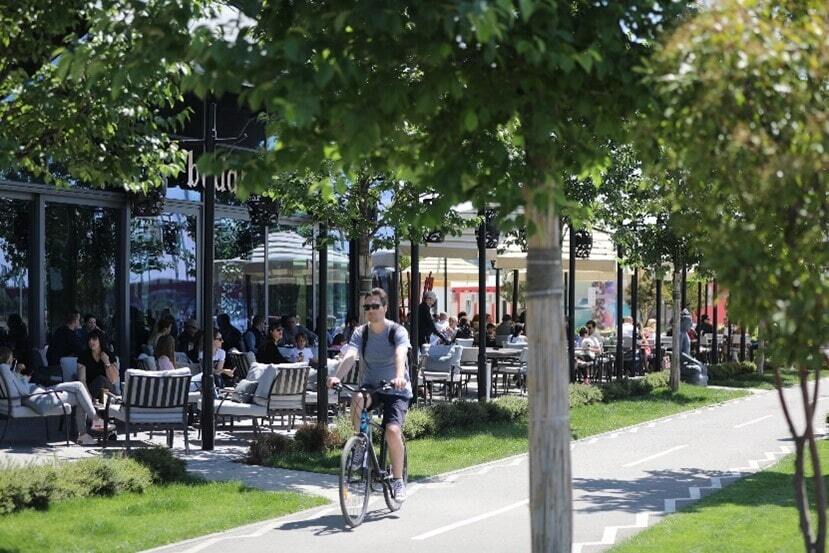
<point x="239" y="281"/>
<point x="80" y="263"/>
<point x="14" y="261"/>
<point x="338" y="281"/>
<point x="162" y="271"/>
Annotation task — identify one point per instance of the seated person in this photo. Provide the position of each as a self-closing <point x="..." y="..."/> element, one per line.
<point x="464" y="330"/>
<point x="190" y="341"/>
<point x="163" y="327"/>
<point x="336" y="345"/>
<point x="304" y="354"/>
<point x="269" y="352"/>
<point x="517" y="335"/>
<point x="73" y="393"/>
<point x="95" y="369"/>
<point x="491" y="341"/>
<point x="232" y="338"/>
<point x="66" y="340"/>
<point x="165" y="353"/>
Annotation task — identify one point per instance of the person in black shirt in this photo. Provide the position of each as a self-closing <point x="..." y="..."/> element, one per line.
<point x="254" y="337"/>
<point x="230" y="334"/>
<point x="190" y="341"/>
<point x="464" y="330"/>
<point x="18" y="337"/>
<point x="95" y="368"/>
<point x="704" y="327"/>
<point x="269" y="351"/>
<point x="425" y="322"/>
<point x="66" y="341"/>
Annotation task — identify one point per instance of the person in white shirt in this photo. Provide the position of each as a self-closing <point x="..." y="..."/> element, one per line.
<point x="592" y="342"/>
<point x="517" y="336"/>
<point x="627" y="327"/>
<point x="303" y="353"/>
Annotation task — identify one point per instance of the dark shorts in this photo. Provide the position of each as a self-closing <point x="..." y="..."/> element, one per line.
<point x="394" y="407"/>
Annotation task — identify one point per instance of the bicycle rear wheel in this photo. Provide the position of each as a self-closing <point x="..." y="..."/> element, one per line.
<point x="354" y="481"/>
<point x="391" y="502"/>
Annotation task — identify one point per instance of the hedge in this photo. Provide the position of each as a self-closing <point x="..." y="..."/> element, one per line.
<point x="36" y="486"/>
<point x="724" y="371"/>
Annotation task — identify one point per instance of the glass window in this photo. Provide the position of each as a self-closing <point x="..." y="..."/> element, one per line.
<point x="239" y="283"/>
<point x="80" y="263"/>
<point x="14" y="261"/>
<point x="290" y="276"/>
<point x="338" y="281"/>
<point x="162" y="272"/>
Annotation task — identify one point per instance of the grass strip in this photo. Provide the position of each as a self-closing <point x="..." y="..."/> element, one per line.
<point x="463" y="448"/>
<point x="134" y="522"/>
<point x="754" y="514"/>
<point x="764" y="381"/>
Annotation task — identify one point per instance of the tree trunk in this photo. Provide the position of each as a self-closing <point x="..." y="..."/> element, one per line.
<point x="548" y="380"/>
<point x="761" y="348"/>
<point x="676" y="342"/>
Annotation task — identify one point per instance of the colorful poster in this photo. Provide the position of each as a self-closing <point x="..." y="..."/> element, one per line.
<point x="596" y="300"/>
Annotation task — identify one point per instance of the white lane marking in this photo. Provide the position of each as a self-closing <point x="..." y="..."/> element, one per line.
<point x="655" y="456"/>
<point x="609" y="533"/>
<point x="753" y="421"/>
<point x="473" y="520"/>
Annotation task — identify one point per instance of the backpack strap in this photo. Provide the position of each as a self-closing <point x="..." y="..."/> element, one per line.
<point x="392" y="337"/>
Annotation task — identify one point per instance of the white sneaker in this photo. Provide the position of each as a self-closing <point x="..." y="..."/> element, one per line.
<point x="398" y="490"/>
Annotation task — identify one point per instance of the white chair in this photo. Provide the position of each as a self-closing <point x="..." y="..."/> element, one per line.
<point x="154" y="399"/>
<point x="442" y="366"/>
<point x="286" y="396"/>
<point x="465" y="342"/>
<point x="12" y="407"/>
<point x="516" y="368"/>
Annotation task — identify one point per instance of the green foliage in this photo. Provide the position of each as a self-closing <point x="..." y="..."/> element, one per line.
<point x="317" y="438"/>
<point x="723" y="371"/>
<point x="162" y="464"/>
<point x="36" y="486"/>
<point x="420" y="423"/>
<point x="265" y="447"/>
<point x="584" y="394"/>
<point x="740" y="109"/>
<point x="636" y="387"/>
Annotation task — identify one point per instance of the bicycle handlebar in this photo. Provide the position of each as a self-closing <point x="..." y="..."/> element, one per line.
<point x="384" y="387"/>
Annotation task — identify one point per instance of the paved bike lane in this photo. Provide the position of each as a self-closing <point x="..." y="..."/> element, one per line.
<point x="623" y="482"/>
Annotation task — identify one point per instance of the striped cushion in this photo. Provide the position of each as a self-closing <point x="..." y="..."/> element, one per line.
<point x="281" y="402"/>
<point x="144" y="415"/>
<point x="236" y="409"/>
<point x="157" y="389"/>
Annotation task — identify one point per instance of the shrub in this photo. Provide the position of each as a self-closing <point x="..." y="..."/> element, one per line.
<point x="89" y="477"/>
<point x="584" y="394"/>
<point x="163" y="466"/>
<point x="316" y="438"/>
<point x="420" y="423"/>
<point x="343" y="426"/>
<point x="733" y="369"/>
<point x="509" y="409"/>
<point x="627" y="388"/>
<point x="265" y="447"/>
<point x="14" y="489"/>
<point x="657" y="380"/>
<point x="459" y="414"/>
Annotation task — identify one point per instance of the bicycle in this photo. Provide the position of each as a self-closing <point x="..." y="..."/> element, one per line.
<point x="357" y="482"/>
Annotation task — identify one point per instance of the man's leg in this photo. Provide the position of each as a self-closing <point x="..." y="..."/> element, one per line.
<point x="394" y="439"/>
<point x="79" y="397"/>
<point x="357" y="406"/>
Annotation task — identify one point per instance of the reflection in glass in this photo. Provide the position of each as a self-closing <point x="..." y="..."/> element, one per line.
<point x="238" y="284"/>
<point x="80" y="263"/>
<point x="162" y="271"/>
<point x="14" y="258"/>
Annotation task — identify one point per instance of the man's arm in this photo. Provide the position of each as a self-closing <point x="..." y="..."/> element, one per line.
<point x="401" y="352"/>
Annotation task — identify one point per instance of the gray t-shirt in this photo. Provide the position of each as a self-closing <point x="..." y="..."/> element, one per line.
<point x="379" y="356"/>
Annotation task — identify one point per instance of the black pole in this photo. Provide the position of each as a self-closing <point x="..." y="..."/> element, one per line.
<point x="483" y="381"/>
<point x="322" y="328"/>
<point x="497" y="295"/>
<point x="714" y="349"/>
<point x="634" y="306"/>
<point x="728" y="346"/>
<point x="657" y="341"/>
<point x="699" y="312"/>
<point x="353" y="296"/>
<point x="515" y="294"/>
<point x="414" y="302"/>
<point x="706" y="297"/>
<point x="37" y="272"/>
<point x="684" y="287"/>
<point x="571" y="304"/>
<point x="394" y="287"/>
<point x="619" y="299"/>
<point x="122" y="288"/>
<point x="445" y="285"/>
<point x="208" y="222"/>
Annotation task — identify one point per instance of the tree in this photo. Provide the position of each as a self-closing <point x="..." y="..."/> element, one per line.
<point x="89" y="89"/>
<point x="487" y="101"/>
<point x="742" y="108"/>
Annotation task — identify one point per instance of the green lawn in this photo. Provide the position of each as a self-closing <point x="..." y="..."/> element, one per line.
<point x="455" y="450"/>
<point x="134" y="522"/>
<point x="755" y="514"/>
<point x="765" y="382"/>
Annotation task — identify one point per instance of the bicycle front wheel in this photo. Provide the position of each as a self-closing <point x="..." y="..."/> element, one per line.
<point x="391" y="502"/>
<point x="354" y="481"/>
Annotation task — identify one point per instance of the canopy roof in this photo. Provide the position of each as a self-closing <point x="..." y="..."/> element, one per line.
<point x="602" y="260"/>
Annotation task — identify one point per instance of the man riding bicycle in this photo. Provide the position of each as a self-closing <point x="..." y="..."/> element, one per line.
<point x="383" y="347"/>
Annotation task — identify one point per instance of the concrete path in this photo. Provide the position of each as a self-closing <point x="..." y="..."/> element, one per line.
<point x="623" y="481"/>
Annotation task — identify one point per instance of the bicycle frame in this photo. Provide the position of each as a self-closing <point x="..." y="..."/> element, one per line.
<point x="379" y="474"/>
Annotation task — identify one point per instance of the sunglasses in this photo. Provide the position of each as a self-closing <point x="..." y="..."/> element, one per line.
<point x="370" y="306"/>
